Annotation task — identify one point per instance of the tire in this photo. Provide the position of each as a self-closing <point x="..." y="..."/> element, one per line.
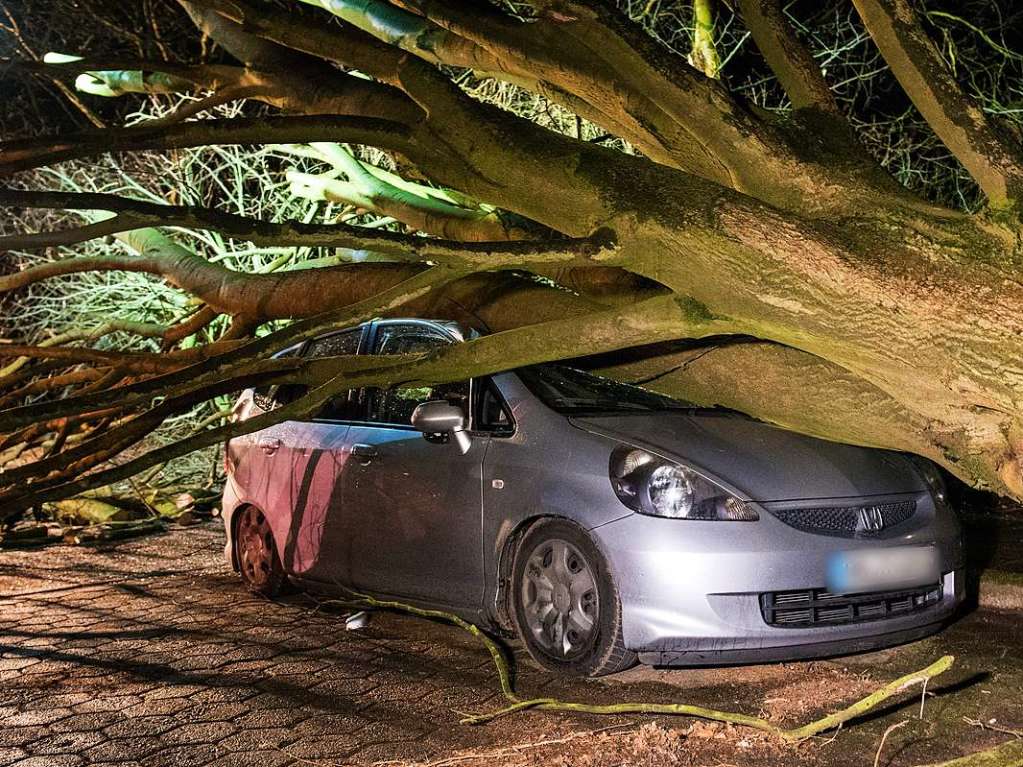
<point x="259" y="564"/>
<point x="565" y="604"/>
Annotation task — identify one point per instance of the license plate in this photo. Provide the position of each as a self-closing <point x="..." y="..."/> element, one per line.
<point x="882" y="569"/>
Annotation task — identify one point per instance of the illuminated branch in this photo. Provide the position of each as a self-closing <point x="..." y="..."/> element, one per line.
<point x="790" y="60"/>
<point x="992" y="156"/>
<point x="31" y="153"/>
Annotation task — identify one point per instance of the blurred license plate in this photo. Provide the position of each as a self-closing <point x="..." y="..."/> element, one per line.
<point x="882" y="569"/>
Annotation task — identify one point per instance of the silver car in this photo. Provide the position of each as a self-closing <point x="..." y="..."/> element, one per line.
<point x="598" y="522"/>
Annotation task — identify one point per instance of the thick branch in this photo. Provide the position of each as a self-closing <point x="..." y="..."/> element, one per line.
<point x="993" y="158"/>
<point x="410" y="32"/>
<point x="138" y="214"/>
<point x="790" y="60"/>
<point x="346" y="45"/>
<point x="587" y="54"/>
<point x="286" y="86"/>
<point x="31" y="153"/>
<point x="258" y="296"/>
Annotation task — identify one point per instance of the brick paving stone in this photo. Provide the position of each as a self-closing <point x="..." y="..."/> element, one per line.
<point x="183" y="756"/>
<point x="90" y="720"/>
<point x="218" y="712"/>
<point x="137" y="726"/>
<point x="199" y="732"/>
<point x="125" y="748"/>
<point x="257" y="740"/>
<point x="64" y="760"/>
<point x="38" y="717"/>
<point x="261" y="758"/>
<point x="20" y="736"/>
<point x="273" y="717"/>
<point x="325" y="747"/>
<point x="66" y="743"/>
<point x="108" y="703"/>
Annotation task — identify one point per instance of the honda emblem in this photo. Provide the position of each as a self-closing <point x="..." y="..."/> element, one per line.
<point x="871" y="519"/>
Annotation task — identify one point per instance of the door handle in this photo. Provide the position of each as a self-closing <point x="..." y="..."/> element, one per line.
<point x="269" y="446"/>
<point x="365" y="453"/>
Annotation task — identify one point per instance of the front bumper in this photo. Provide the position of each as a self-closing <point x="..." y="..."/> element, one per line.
<point x="805" y="650"/>
<point x="691" y="590"/>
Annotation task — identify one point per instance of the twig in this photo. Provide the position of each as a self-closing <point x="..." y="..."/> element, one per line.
<point x="992" y="727"/>
<point x="507" y="750"/>
<point x="889" y="731"/>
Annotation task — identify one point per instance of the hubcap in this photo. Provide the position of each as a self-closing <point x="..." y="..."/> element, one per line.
<point x="559" y="599"/>
<point x="255" y="547"/>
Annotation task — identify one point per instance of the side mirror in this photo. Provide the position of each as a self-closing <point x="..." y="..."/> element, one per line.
<point x="441" y="417"/>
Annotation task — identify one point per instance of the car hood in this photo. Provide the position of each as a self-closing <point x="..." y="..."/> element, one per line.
<point x="764" y="462"/>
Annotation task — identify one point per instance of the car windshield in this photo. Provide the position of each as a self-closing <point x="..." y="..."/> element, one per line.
<point x="570" y="390"/>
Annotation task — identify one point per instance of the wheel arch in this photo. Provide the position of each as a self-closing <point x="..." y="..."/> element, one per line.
<point x="507" y="548"/>
<point x="236" y="515"/>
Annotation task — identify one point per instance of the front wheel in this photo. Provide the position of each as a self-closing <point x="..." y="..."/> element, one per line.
<point x="258" y="561"/>
<point x="566" y="607"/>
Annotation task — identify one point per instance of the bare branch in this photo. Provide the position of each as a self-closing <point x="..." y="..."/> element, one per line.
<point x="285" y="87"/>
<point x="411" y="32"/>
<point x="992" y="157"/>
<point x="704" y="55"/>
<point x="140" y="361"/>
<point x="209" y="76"/>
<point x="344" y="45"/>
<point x="31" y="153"/>
<point x="137" y="214"/>
<point x="789" y="59"/>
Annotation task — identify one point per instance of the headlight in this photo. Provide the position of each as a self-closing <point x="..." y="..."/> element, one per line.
<point x="661" y="488"/>
<point x="931" y="475"/>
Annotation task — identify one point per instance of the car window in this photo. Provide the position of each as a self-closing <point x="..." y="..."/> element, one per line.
<point x="395" y="405"/>
<point x="408" y="338"/>
<point x="348" y="405"/>
<point x="492" y="413"/>
<point x="266" y="397"/>
<point x="335" y="344"/>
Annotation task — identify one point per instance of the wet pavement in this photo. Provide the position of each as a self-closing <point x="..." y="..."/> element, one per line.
<point x="150" y="652"/>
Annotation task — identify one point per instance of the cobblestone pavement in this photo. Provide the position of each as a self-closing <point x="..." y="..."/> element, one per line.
<point x="150" y="652"/>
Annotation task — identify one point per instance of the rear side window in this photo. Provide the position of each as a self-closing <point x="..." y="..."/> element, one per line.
<point x="348" y="405"/>
<point x="266" y="397"/>
<point x="395" y="405"/>
<point x="336" y="344"/>
<point x="342" y="407"/>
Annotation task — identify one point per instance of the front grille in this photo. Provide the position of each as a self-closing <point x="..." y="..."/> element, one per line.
<point x="848" y="521"/>
<point x="818" y="607"/>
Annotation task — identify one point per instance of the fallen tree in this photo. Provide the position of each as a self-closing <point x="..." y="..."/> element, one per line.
<point x="760" y="261"/>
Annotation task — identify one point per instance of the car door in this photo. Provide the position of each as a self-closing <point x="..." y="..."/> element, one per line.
<point x="306" y="461"/>
<point x="415" y="504"/>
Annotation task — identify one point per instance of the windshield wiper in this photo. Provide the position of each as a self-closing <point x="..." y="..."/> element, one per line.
<point x="598" y="404"/>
